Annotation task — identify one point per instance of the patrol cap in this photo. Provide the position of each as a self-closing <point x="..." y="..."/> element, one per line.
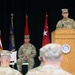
<point x="50" y="50"/>
<point x="65" y="10"/>
<point x="27" y="37"/>
<point x="5" y="53"/>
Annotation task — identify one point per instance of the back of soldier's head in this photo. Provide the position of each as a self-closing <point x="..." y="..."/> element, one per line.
<point x="51" y="51"/>
<point x="5" y="54"/>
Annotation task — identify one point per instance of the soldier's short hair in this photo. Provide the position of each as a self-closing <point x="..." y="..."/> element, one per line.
<point x="5" y="53"/>
<point x="51" y="51"/>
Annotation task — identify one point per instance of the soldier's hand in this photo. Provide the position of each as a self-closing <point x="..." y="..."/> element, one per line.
<point x="25" y="57"/>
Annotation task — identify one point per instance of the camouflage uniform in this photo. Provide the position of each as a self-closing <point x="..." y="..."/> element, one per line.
<point x="50" y="53"/>
<point x="4" y="68"/>
<point x="47" y="70"/>
<point x="70" y="23"/>
<point x="8" y="71"/>
<point x="29" y="50"/>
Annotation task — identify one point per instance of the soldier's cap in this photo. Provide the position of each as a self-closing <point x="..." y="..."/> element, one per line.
<point x="27" y="37"/>
<point x="52" y="49"/>
<point x="65" y="10"/>
<point x="5" y="53"/>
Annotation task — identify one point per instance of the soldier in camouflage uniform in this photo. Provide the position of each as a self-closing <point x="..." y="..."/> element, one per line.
<point x="5" y="61"/>
<point x="51" y="55"/>
<point x="66" y="22"/>
<point x="26" y="53"/>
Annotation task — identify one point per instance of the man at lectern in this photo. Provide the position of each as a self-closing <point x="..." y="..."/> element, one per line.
<point x="65" y="22"/>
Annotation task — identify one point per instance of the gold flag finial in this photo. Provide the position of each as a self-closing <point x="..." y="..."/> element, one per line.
<point x="12" y="14"/>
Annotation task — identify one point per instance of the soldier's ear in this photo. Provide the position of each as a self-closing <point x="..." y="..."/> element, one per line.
<point x="39" y="57"/>
<point x="62" y="14"/>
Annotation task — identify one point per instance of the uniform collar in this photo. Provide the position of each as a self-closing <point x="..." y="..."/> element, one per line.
<point x="50" y="66"/>
<point x="4" y="66"/>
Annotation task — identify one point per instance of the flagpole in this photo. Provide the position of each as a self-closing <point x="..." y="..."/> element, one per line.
<point x="12" y="19"/>
<point x="12" y="28"/>
<point x="0" y="42"/>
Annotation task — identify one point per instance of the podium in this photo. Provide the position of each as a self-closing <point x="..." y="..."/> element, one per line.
<point x="66" y="36"/>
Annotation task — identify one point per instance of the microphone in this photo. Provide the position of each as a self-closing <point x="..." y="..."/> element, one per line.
<point x="62" y="25"/>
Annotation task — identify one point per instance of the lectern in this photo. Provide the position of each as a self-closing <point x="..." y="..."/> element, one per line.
<point x="66" y="36"/>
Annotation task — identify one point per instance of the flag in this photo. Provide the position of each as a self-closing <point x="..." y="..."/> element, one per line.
<point x="11" y="36"/>
<point x="46" y="37"/>
<point x="26" y="30"/>
<point x="0" y="41"/>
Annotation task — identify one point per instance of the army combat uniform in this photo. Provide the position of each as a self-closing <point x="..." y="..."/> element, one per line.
<point x="69" y="23"/>
<point x="28" y="50"/>
<point x="4" y="68"/>
<point x="49" y="52"/>
<point x="8" y="71"/>
<point x="48" y="70"/>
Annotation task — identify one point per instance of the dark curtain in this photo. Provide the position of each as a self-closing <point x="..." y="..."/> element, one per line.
<point x="36" y="10"/>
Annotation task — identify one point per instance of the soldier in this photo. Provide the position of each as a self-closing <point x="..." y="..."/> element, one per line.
<point x="5" y="61"/>
<point x="66" y="22"/>
<point x="51" y="55"/>
<point x="26" y="53"/>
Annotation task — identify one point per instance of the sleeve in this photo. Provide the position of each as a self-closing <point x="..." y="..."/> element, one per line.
<point x="20" y="53"/>
<point x="33" y="53"/>
<point x="28" y="73"/>
<point x="16" y="72"/>
<point x="73" y="24"/>
<point x="58" y="25"/>
<point x="19" y="74"/>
